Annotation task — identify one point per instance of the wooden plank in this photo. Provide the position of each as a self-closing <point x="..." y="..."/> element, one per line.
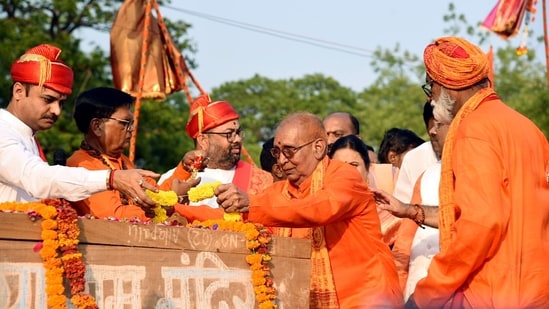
<point x="19" y="226"/>
<point x="152" y="266"/>
<point x="137" y="277"/>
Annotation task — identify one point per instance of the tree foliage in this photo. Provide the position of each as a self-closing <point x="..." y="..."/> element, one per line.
<point x="394" y="99"/>
<point x="24" y="24"/>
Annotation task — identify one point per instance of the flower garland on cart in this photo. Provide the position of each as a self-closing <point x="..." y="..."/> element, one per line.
<point x="59" y="251"/>
<point x="258" y="239"/>
<point x="61" y="258"/>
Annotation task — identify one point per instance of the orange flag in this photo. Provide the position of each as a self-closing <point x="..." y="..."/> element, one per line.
<point x="506" y="17"/>
<point x="164" y="68"/>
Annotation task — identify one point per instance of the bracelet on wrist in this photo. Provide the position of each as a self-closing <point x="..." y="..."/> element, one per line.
<point x="419" y="217"/>
<point x="108" y="179"/>
<point x="111" y="180"/>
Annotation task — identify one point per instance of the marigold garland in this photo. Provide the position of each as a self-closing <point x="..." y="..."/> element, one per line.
<point x="258" y="239"/>
<point x="162" y="199"/>
<point x="59" y="251"/>
<point x="203" y="191"/>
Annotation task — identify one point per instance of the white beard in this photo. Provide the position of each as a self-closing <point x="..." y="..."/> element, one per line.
<point x="442" y="108"/>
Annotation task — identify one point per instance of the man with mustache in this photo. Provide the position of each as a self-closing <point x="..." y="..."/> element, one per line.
<point x="41" y="84"/>
<point x="215" y="129"/>
<point x="494" y="191"/>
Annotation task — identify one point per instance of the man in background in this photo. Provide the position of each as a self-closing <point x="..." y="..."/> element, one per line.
<point x="215" y="129"/>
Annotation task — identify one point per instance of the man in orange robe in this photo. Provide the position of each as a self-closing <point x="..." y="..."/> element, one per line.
<point x="494" y="191"/>
<point x="351" y="266"/>
<point x="215" y="129"/>
<point x="105" y="118"/>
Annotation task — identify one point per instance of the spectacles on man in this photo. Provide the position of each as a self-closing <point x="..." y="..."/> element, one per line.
<point x="428" y="88"/>
<point x="128" y="124"/>
<point x="288" y="151"/>
<point x="229" y="135"/>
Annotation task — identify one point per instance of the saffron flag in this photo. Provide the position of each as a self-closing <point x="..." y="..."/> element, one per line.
<point x="506" y="17"/>
<point x="164" y="68"/>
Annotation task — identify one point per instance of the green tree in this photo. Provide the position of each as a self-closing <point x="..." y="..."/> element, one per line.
<point x="262" y="102"/>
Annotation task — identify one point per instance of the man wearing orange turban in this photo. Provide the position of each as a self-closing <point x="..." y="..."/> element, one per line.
<point x="215" y="129"/>
<point x="494" y="191"/>
<point x="41" y="84"/>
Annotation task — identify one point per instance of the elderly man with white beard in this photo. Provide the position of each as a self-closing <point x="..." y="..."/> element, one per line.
<point x="494" y="191"/>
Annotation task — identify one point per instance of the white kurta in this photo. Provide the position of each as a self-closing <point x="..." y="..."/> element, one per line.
<point x="207" y="176"/>
<point x="414" y="163"/>
<point x="25" y="177"/>
<point x="426" y="241"/>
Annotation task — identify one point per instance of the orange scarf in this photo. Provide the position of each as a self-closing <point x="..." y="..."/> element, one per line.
<point x="447" y="215"/>
<point x="322" y="287"/>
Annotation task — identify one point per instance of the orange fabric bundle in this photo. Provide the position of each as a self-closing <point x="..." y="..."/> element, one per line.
<point x="205" y="114"/>
<point x="41" y="66"/>
<point x="455" y="63"/>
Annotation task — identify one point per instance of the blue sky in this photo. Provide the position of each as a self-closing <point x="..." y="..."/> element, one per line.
<point x="228" y="53"/>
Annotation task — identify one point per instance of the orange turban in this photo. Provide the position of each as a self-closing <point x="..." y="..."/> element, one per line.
<point x="205" y="114"/>
<point x="455" y="63"/>
<point x="41" y="66"/>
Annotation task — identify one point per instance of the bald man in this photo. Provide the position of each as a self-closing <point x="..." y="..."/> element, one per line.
<point x="352" y="267"/>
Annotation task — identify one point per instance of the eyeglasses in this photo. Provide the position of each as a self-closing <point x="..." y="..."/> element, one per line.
<point x="128" y="124"/>
<point x="428" y="88"/>
<point x="230" y="135"/>
<point x="288" y="151"/>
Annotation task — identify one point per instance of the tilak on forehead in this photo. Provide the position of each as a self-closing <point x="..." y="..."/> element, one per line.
<point x="205" y="115"/>
<point x="42" y="66"/>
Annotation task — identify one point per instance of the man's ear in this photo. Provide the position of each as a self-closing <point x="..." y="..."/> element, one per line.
<point x="320" y="148"/>
<point x="277" y="171"/>
<point x="391" y="157"/>
<point x="19" y="91"/>
<point x="202" y="142"/>
<point x="97" y="126"/>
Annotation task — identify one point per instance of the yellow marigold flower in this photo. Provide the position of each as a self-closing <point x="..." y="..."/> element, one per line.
<point x="254" y="259"/>
<point x="160" y="214"/>
<point x="232" y="216"/>
<point x="203" y="191"/>
<point x="258" y="280"/>
<point x="47" y="212"/>
<point x="49" y="224"/>
<point x="163" y="198"/>
<point x="252" y="244"/>
<point x="48" y="234"/>
<point x="251" y="234"/>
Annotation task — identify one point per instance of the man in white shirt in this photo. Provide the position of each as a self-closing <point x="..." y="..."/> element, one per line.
<point x="215" y="129"/>
<point x="41" y="84"/>
<point x="415" y="161"/>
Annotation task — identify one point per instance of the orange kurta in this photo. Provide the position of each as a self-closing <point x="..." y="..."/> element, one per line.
<point x="499" y="244"/>
<point x="363" y="269"/>
<point x="107" y="203"/>
<point x="247" y="177"/>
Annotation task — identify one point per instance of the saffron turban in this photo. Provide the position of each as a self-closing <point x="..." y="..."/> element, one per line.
<point x="42" y="66"/>
<point x="205" y="114"/>
<point x="455" y="63"/>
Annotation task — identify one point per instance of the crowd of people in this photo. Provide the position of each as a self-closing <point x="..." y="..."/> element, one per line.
<point x="460" y="221"/>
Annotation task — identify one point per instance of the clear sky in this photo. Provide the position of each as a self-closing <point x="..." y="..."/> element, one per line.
<point x="229" y="53"/>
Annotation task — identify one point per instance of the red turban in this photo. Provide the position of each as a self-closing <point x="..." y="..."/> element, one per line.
<point x="455" y="63"/>
<point x="41" y="66"/>
<point x="205" y="114"/>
